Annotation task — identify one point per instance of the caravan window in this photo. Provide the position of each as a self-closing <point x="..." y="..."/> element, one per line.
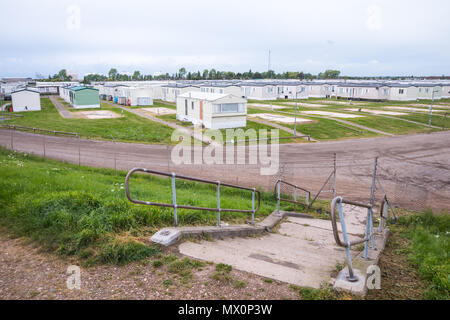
<point x="229" y="108"/>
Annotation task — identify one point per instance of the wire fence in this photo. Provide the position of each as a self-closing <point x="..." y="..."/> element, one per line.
<point x="410" y="184"/>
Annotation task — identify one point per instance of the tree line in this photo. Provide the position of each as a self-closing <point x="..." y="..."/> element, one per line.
<point x="183" y="74"/>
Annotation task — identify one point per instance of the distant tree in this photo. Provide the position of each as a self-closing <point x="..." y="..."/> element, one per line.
<point x="182" y="72"/>
<point x="329" y="74"/>
<point x="112" y="74"/>
<point x="137" y="75"/>
<point x="212" y="74"/>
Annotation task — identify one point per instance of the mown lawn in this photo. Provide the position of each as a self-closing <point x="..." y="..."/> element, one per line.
<point x="259" y="126"/>
<point x="128" y="128"/>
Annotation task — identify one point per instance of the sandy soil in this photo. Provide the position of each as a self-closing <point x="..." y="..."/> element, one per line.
<point x="26" y="273"/>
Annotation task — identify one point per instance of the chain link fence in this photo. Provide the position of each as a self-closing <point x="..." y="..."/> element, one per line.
<point x="411" y="184"/>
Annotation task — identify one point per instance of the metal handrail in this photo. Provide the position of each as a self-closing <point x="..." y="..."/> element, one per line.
<point x="384" y="212"/>
<point x="277" y="193"/>
<point x="346" y="243"/>
<point x="174" y="204"/>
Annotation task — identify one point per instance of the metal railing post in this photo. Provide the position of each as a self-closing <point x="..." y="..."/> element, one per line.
<point x="366" y="244"/>
<point x="351" y="277"/>
<point x="218" y="204"/>
<point x="253" y="206"/>
<point x="12" y="140"/>
<point x="371" y="230"/>
<point x="174" y="197"/>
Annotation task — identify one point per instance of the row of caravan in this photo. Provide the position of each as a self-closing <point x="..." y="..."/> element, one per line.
<point x="130" y="96"/>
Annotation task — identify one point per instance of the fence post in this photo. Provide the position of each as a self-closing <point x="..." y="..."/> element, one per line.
<point x="44" y="143"/>
<point x="218" y="203"/>
<point x="253" y="206"/>
<point x="174" y="197"/>
<point x="79" y="150"/>
<point x="374" y="176"/>
<point x="295" y="199"/>
<point x="334" y="173"/>
<point x="115" y="161"/>
<point x="12" y="138"/>
<point x="278" y="198"/>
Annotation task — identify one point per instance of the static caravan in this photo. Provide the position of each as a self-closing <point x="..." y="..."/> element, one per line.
<point x="428" y="91"/>
<point x="445" y="90"/>
<point x="363" y="91"/>
<point x="172" y="91"/>
<point x="224" y="88"/>
<point x="26" y="100"/>
<point x="212" y="110"/>
<point x="288" y="90"/>
<point x="402" y="92"/>
<point x="138" y="96"/>
<point x="259" y="91"/>
<point x="84" y="97"/>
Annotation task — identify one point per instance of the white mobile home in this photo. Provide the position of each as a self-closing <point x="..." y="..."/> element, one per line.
<point x="26" y="100"/>
<point x="212" y="110"/>
<point x="403" y="92"/>
<point x="259" y="90"/>
<point x="363" y="91"/>
<point x="170" y="92"/>
<point x="224" y="88"/>
<point x="429" y="91"/>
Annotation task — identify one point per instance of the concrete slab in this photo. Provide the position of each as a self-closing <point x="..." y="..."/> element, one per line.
<point x="301" y="252"/>
<point x="331" y="114"/>
<point x="101" y="114"/>
<point x="159" y="111"/>
<point x="306" y="105"/>
<point x="266" y="106"/>
<point x="279" y="118"/>
<point x="413" y="109"/>
<point x="389" y="113"/>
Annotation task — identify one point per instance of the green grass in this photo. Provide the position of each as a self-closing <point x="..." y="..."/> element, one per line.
<point x="429" y="251"/>
<point x="390" y="125"/>
<point x="259" y="126"/>
<point x="84" y="212"/>
<point x="327" y="129"/>
<point x="129" y="128"/>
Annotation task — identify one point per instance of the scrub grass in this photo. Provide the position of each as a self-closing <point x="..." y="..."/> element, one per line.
<point x="128" y="128"/>
<point x="83" y="212"/>
<point x="429" y="250"/>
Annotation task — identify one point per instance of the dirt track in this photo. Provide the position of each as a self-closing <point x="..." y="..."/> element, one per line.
<point x="414" y="170"/>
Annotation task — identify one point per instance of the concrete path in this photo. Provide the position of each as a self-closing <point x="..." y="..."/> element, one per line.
<point x="186" y="131"/>
<point x="302" y="251"/>
<point x="278" y="126"/>
<point x="61" y="109"/>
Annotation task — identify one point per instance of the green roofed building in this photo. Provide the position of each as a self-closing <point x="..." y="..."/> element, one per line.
<point x="84" y="97"/>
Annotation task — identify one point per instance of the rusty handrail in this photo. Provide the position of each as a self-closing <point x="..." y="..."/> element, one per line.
<point x="175" y="206"/>
<point x="277" y="194"/>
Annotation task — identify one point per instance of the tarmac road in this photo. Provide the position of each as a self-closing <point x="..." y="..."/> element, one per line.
<point x="414" y="170"/>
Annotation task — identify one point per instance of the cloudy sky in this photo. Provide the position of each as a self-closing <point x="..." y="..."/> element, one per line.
<point x="358" y="37"/>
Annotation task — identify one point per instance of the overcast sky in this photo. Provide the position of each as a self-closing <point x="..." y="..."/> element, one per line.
<point x="358" y="37"/>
